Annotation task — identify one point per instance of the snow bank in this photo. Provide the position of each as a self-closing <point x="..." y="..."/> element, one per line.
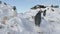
<point x="23" y="23"/>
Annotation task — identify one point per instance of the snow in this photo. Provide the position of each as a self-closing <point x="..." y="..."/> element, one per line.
<point x="12" y="22"/>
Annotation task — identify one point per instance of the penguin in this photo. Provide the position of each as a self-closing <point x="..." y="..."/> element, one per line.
<point x="52" y="10"/>
<point x="34" y="7"/>
<point x="5" y="3"/>
<point x="14" y="8"/>
<point x="0" y="2"/>
<point x="38" y="18"/>
<point x="44" y="13"/>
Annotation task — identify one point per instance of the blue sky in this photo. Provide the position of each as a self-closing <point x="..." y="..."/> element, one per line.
<point x="24" y="5"/>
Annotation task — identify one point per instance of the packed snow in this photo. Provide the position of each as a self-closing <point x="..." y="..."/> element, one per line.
<point x="12" y="22"/>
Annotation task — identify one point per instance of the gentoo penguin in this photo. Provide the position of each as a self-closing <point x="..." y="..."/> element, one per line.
<point x="5" y="3"/>
<point x="38" y="18"/>
<point x="14" y="8"/>
<point x="44" y="13"/>
<point x="52" y="10"/>
<point x="0" y="2"/>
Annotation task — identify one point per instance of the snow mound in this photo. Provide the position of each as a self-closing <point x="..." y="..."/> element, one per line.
<point x="50" y="23"/>
<point x="10" y="23"/>
<point x="23" y="23"/>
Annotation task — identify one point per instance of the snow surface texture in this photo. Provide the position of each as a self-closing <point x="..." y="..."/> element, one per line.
<point x="23" y="23"/>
